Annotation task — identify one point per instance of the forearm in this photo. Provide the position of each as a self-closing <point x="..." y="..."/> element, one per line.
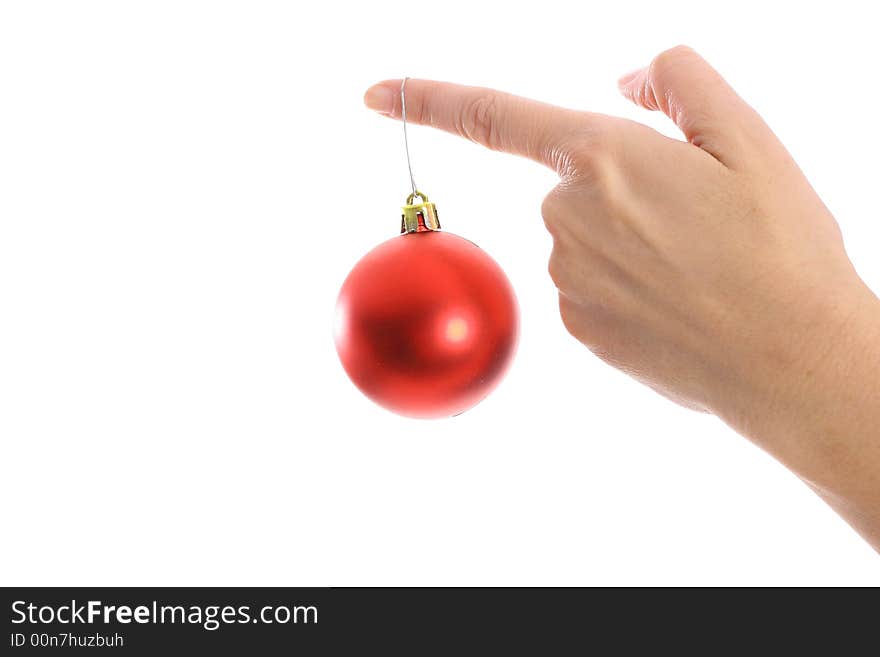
<point x="821" y="418"/>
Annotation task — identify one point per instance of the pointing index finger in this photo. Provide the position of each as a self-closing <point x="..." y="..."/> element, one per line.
<point x="496" y="120"/>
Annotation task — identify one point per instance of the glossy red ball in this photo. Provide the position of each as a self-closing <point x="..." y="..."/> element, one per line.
<point x="426" y="324"/>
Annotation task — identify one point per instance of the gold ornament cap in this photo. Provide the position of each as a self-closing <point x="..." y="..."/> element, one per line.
<point x="418" y="216"/>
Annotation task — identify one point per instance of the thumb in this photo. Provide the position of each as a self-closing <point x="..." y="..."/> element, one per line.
<point x="682" y="85"/>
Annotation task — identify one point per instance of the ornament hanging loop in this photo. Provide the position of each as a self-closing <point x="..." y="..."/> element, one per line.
<point x="422" y="216"/>
<point x="419" y="217"/>
<point x="412" y="180"/>
<point x="416" y="193"/>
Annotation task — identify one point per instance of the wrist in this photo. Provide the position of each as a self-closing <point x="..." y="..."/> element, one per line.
<point x="817" y="408"/>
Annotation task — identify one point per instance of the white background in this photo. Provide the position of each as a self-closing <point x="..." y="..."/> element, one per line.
<point x="183" y="188"/>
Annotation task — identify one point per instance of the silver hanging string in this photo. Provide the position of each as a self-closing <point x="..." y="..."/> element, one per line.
<point x="412" y="180"/>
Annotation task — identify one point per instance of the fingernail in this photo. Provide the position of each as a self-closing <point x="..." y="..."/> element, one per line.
<point x="629" y="77"/>
<point x="379" y="98"/>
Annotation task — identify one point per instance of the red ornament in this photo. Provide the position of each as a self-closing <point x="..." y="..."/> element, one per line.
<point x="427" y="323"/>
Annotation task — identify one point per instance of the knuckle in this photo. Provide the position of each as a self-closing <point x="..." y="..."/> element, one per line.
<point x="479" y="120"/>
<point x="581" y="325"/>
<point x="569" y="315"/>
<point x="597" y="180"/>
<point x="592" y="153"/>
<point x="550" y="204"/>
<point x="668" y="60"/>
<point x="589" y="163"/>
<point x="554" y="268"/>
<point x="552" y="211"/>
<point x="587" y="330"/>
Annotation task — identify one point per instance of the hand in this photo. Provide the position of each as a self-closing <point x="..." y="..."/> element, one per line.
<point x="707" y="269"/>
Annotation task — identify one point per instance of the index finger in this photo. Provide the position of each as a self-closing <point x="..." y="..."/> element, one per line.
<point x="494" y="119"/>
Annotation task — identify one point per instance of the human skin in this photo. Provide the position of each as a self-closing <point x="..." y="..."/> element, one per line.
<point x="707" y="269"/>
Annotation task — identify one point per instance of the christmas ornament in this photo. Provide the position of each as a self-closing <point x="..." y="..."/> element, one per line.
<point x="426" y="322"/>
